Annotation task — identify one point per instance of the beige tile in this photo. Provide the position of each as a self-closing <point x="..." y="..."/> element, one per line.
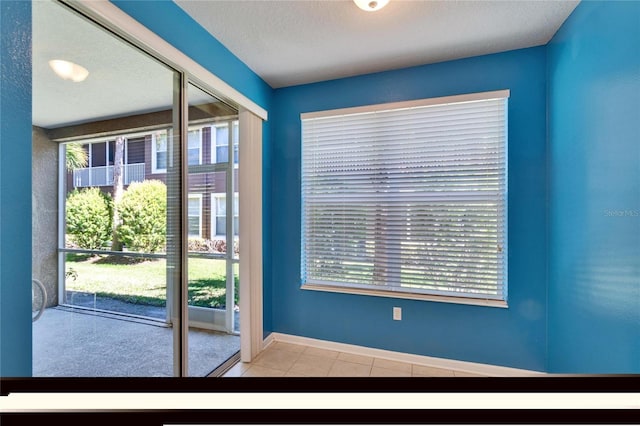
<point x="349" y="369"/>
<point x="290" y="347"/>
<point x="276" y="359"/>
<point x="358" y="359"/>
<point x="392" y="365"/>
<point x="421" y="370"/>
<point x="321" y="352"/>
<point x="259" y="371"/>
<point x="385" y="372"/>
<point x="465" y="374"/>
<point x="314" y="366"/>
<point x="237" y="370"/>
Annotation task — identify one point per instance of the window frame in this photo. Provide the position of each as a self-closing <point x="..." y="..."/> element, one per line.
<point x="200" y="144"/>
<point x="154" y="152"/>
<point x="213" y="140"/>
<point x="214" y="214"/>
<point x="193" y="196"/>
<point x="389" y="291"/>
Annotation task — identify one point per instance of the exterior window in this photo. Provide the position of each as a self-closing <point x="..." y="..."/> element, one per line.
<point x="159" y="148"/>
<point x="99" y="168"/>
<point x="195" y="147"/>
<point x="407" y="199"/>
<point x="219" y="216"/>
<point x="220" y="142"/>
<point x="236" y="142"/>
<point x="195" y="215"/>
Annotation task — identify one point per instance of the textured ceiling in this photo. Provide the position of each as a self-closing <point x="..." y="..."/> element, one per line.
<point x="303" y="41"/>
<point x="121" y="80"/>
<point x="285" y="42"/>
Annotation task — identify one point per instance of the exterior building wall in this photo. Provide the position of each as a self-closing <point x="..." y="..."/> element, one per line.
<point x="44" y="197"/>
<point x="140" y="150"/>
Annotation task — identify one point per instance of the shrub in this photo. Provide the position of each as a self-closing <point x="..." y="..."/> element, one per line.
<point x="142" y="213"/>
<point x="210" y="246"/>
<point x="88" y="217"/>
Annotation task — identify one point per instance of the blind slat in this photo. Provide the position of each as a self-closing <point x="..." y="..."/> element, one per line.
<point x="407" y="200"/>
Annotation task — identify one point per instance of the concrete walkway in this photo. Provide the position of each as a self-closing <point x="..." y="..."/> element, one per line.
<point x="71" y="343"/>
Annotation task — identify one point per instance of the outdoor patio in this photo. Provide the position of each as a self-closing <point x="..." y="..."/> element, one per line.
<point x="80" y="343"/>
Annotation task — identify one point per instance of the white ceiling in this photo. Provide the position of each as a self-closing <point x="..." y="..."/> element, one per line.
<point x="285" y="42"/>
<point x="302" y="41"/>
<point x="121" y="79"/>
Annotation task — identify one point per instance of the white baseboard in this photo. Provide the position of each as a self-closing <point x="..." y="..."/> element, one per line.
<point x="449" y="364"/>
<point x="268" y="340"/>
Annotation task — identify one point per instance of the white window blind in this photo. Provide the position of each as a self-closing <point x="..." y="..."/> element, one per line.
<point x="407" y="197"/>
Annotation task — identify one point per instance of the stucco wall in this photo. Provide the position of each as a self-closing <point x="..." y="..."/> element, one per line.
<point x="45" y="213"/>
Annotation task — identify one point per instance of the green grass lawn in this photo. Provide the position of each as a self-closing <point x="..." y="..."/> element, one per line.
<point x="144" y="282"/>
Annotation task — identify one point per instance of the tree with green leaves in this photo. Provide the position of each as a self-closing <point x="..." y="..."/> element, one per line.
<point x="118" y="169"/>
<point x="76" y="156"/>
<point x="88" y="218"/>
<point x="142" y="212"/>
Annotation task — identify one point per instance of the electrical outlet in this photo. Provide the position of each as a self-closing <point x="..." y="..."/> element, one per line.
<point x="397" y="313"/>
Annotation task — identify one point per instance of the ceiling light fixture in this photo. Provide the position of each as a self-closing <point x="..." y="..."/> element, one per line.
<point x="371" y="5"/>
<point x="68" y="70"/>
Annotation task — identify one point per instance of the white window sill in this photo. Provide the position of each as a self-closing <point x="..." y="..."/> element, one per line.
<point x="412" y="296"/>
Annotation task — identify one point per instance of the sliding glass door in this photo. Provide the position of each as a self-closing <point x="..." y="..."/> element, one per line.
<point x="212" y="158"/>
<point x="135" y="209"/>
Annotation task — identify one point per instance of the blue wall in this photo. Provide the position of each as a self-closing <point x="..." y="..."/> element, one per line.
<point x="176" y="27"/>
<point x="513" y="337"/>
<point x="590" y="76"/>
<point x="15" y="188"/>
<point x="594" y="105"/>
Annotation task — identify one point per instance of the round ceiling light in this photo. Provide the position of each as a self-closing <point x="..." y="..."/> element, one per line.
<point x="68" y="70"/>
<point x="371" y="5"/>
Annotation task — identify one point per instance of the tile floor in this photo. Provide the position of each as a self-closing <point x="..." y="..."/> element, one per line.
<point x="288" y="360"/>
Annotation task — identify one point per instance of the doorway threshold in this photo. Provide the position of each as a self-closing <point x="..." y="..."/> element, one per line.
<point x="115" y="315"/>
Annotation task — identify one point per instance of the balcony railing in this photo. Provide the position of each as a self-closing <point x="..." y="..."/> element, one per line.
<point x="103" y="176"/>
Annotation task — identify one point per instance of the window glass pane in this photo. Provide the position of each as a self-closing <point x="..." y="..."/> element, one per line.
<point x="211" y="291"/>
<point x="222" y="154"/>
<point x="161" y="141"/>
<point x="194" y="147"/>
<point x="129" y="273"/>
<point x="161" y="160"/>
<point x="236" y="141"/>
<point x="408" y="200"/>
<point x="111" y="154"/>
<point x="222" y="135"/>
<point x="194" y="226"/>
<point x="194" y="157"/>
<point x="194" y="206"/>
<point x="98" y="154"/>
<point x="221" y="225"/>
<point x="221" y="205"/>
<point x="194" y="139"/>
<point x="219" y="143"/>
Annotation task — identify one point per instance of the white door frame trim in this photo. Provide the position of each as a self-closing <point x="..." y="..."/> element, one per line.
<point x="250" y="185"/>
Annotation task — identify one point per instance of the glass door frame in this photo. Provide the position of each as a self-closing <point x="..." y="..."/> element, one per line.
<point x="111" y="18"/>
